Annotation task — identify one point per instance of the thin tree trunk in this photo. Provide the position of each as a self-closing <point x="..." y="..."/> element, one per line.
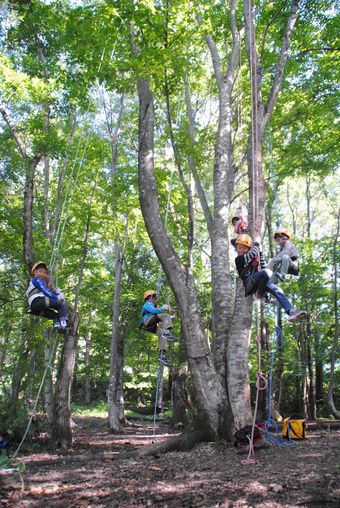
<point x="333" y="359"/>
<point x="49" y="393"/>
<point x="115" y="396"/>
<point x="88" y="337"/>
<point x="62" y="427"/>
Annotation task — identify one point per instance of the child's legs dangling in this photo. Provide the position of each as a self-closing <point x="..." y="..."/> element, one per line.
<point x="59" y="307"/>
<point x="280" y="296"/>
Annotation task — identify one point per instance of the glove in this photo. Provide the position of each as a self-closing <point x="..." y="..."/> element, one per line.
<point x="61" y="296"/>
<point x="165" y="307"/>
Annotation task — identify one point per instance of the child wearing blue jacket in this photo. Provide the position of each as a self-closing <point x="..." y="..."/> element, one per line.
<point x="156" y="320"/>
<point x="43" y="301"/>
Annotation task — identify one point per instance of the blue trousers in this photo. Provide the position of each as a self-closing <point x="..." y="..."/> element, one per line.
<point x="263" y="285"/>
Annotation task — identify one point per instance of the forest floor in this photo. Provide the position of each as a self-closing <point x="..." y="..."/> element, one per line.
<point x="211" y="475"/>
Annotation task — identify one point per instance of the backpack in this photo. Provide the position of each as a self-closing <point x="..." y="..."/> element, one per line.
<point x="243" y="435"/>
<point x="294" y="428"/>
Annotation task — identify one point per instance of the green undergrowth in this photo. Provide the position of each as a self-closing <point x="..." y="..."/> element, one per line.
<point x="99" y="409"/>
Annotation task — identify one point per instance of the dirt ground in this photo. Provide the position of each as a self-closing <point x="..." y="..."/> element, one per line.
<point x="211" y="475"/>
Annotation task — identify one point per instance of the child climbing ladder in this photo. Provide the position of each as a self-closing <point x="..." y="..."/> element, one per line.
<point x="247" y="262"/>
<point x="155" y="320"/>
<point x="43" y="301"/>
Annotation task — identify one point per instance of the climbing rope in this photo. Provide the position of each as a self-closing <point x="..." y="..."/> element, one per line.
<point x="48" y="366"/>
<point x="160" y="368"/>
<point x="160" y="272"/>
<point x="274" y="437"/>
<point x="54" y="255"/>
<point x="254" y="117"/>
<point x="261" y="384"/>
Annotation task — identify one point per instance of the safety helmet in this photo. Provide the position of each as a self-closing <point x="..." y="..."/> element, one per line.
<point x="279" y="233"/>
<point x="36" y="265"/>
<point x="244" y="240"/>
<point x="150" y="292"/>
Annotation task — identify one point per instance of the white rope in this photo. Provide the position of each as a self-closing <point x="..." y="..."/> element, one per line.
<point x="254" y="116"/>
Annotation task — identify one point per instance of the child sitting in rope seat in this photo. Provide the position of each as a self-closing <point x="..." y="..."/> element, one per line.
<point x="43" y="301"/>
<point x="249" y="258"/>
<point x="155" y="320"/>
<point x="286" y="260"/>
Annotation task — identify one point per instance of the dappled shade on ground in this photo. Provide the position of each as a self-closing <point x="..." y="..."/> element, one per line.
<point x="209" y="475"/>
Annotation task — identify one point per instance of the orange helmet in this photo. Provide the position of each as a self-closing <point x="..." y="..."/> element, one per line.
<point x="244" y="240"/>
<point x="150" y="292"/>
<point x="36" y="265"/>
<point x="282" y="231"/>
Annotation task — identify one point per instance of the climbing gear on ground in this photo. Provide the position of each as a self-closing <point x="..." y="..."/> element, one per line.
<point x="242" y="436"/>
<point x="150" y="292"/>
<point x="297" y="315"/>
<point x="294" y="429"/>
<point x="281" y="233"/>
<point x="37" y="265"/>
<point x="244" y="240"/>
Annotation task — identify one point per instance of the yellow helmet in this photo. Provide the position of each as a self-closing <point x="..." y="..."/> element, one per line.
<point x="244" y="240"/>
<point x="282" y="231"/>
<point x="150" y="292"/>
<point x="36" y="265"/>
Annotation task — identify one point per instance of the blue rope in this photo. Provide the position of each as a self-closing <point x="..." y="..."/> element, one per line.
<point x="275" y="437"/>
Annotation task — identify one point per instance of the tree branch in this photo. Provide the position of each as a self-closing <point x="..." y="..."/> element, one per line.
<point x="281" y="63"/>
<point x="15" y="135"/>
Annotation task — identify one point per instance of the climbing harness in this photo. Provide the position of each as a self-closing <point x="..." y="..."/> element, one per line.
<point x="261" y="384"/>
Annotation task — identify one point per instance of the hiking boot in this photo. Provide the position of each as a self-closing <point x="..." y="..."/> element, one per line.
<point x="168" y="335"/>
<point x="297" y="315"/>
<point x="165" y="361"/>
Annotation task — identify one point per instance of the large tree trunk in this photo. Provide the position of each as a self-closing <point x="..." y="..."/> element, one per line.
<point x="210" y="395"/>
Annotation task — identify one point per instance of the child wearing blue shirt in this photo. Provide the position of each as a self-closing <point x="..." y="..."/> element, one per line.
<point x="156" y="320"/>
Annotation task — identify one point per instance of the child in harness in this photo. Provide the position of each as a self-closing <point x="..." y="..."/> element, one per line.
<point x="249" y="259"/>
<point x="43" y="301"/>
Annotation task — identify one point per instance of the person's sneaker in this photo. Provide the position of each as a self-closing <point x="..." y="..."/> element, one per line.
<point x="165" y="361"/>
<point x="168" y="335"/>
<point x="63" y="324"/>
<point x="297" y="315"/>
<point x="56" y="324"/>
